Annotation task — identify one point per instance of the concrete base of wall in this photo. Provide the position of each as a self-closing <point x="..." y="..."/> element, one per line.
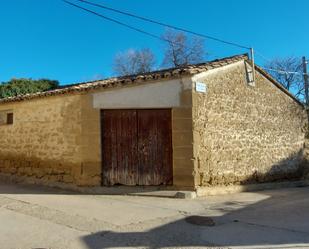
<point x="8" y="178"/>
<point x="211" y="191"/>
<point x="155" y="191"/>
<point x="149" y="191"/>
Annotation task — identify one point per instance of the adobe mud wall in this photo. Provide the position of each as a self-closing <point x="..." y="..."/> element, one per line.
<point x="45" y="140"/>
<point x="246" y="134"/>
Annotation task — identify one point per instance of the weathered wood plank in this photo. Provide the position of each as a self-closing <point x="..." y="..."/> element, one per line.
<point x="155" y="147"/>
<point x="136" y="147"/>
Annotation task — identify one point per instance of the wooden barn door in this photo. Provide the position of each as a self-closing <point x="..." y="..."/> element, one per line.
<point x="119" y="131"/>
<point x="154" y="147"/>
<point x="136" y="147"/>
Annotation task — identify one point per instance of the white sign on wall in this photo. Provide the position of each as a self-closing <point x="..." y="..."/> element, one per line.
<point x="200" y="87"/>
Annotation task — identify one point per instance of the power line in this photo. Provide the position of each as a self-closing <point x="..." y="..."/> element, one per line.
<point x="164" y="24"/>
<point x="168" y="26"/>
<point x="282" y="71"/>
<point x="120" y="23"/>
<point x="117" y="22"/>
<point x="262" y="56"/>
<point x="279" y="71"/>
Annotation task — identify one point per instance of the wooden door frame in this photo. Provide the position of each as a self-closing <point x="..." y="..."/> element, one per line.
<point x="133" y="109"/>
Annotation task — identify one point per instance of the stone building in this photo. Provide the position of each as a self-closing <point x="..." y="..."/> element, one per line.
<point x="201" y="125"/>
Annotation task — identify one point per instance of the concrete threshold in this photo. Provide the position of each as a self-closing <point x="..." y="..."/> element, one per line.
<point x="162" y="192"/>
<point x="169" y="192"/>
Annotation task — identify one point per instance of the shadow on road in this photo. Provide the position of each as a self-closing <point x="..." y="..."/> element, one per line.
<point x="281" y="221"/>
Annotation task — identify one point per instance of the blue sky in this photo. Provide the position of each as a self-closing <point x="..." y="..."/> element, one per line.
<point x="48" y="39"/>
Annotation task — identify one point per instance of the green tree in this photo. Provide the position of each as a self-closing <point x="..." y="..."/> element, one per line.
<point x="16" y="87"/>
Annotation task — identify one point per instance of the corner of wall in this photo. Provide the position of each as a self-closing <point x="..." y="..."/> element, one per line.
<point x="89" y="173"/>
<point x="183" y="170"/>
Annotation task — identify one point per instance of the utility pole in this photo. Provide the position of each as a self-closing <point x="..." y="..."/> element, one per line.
<point x="253" y="64"/>
<point x="306" y="83"/>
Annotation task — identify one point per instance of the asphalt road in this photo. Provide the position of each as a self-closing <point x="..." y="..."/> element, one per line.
<point x="39" y="217"/>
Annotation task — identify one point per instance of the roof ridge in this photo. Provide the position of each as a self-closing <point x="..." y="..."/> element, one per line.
<point x="129" y="79"/>
<point x="189" y="66"/>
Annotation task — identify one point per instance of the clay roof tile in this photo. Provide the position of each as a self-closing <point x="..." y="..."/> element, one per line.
<point x="156" y="75"/>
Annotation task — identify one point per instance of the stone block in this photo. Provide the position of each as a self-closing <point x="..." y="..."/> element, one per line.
<point x="91" y="169"/>
<point x="182" y="124"/>
<point x="183" y="180"/>
<point x="182" y="138"/>
<point x="181" y="113"/>
<point x="185" y="195"/>
<point x="186" y="98"/>
<point x="183" y="152"/>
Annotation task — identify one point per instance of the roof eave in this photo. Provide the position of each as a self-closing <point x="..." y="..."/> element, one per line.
<point x="277" y="84"/>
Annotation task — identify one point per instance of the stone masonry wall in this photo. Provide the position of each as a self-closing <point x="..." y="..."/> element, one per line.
<point x="58" y="139"/>
<point x="182" y="145"/>
<point x="91" y="167"/>
<point x="245" y="134"/>
<point x="45" y="140"/>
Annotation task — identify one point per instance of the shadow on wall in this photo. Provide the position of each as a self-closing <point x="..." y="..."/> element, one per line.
<point x="295" y="167"/>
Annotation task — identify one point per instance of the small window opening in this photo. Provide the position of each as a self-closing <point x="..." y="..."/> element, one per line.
<point x="6" y="117"/>
<point x="9" y="118"/>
